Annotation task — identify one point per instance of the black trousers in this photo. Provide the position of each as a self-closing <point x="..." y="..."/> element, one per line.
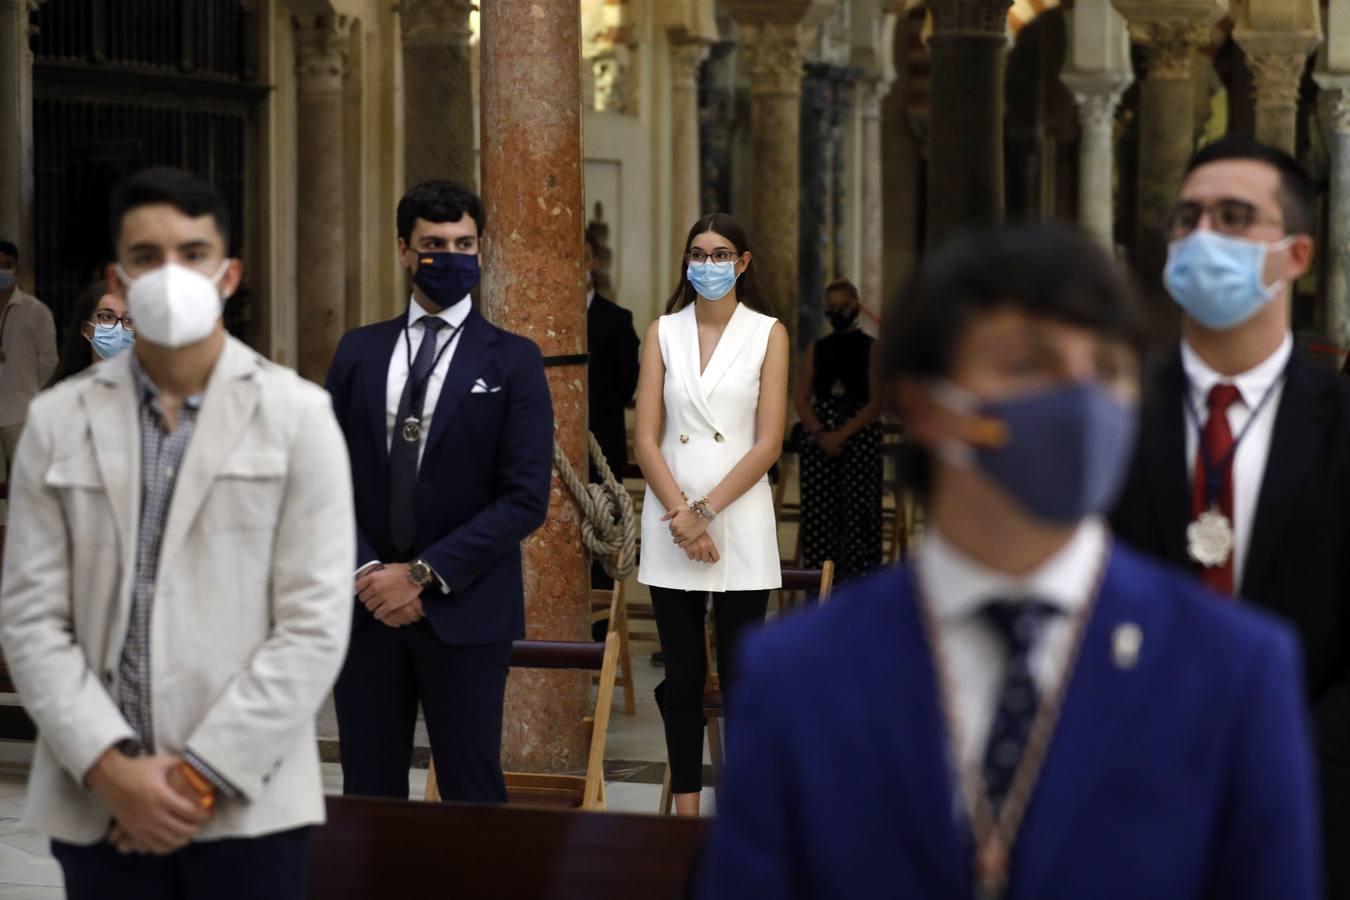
<point x="461" y="689"/>
<point x="272" y="867"/>
<point x="679" y="622"/>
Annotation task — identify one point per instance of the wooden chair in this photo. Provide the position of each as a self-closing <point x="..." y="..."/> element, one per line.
<point x="608" y="605"/>
<point x="714" y="703"/>
<point x="586" y="791"/>
<point x="372" y="849"/>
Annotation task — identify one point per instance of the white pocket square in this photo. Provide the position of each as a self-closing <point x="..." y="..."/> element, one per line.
<point x="481" y="387"/>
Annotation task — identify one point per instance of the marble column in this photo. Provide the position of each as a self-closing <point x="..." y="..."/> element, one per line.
<point x="1098" y="97"/>
<point x="16" y="124"/>
<point x="900" y="178"/>
<point x="815" y="208"/>
<point x="532" y="285"/>
<point x="686" y="61"/>
<point x="871" y="93"/>
<point x="438" y="121"/>
<point x="965" y="157"/>
<point x="321" y="233"/>
<point x="1166" y="120"/>
<point x="1334" y="101"/>
<point x="774" y="56"/>
<point x="1277" y="61"/>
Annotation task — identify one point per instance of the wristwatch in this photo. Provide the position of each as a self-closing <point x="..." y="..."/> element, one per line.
<point x="419" y="573"/>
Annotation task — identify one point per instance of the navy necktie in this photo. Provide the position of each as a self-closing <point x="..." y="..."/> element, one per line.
<point x="404" y="453"/>
<point x="1018" y="626"/>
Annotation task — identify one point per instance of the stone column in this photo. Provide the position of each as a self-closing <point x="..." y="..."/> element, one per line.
<point x="321" y="233"/>
<point x="532" y="285"/>
<point x="1335" y="111"/>
<point x="965" y="157"/>
<point x="1097" y="97"/>
<point x="438" y="91"/>
<point x="900" y="176"/>
<point x="1277" y="62"/>
<point x="772" y="39"/>
<point x="16" y="124"/>
<point x="774" y="56"/>
<point x="1171" y="34"/>
<point x="870" y="278"/>
<point x="686" y="61"/>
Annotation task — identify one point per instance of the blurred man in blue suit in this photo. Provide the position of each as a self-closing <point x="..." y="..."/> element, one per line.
<point x="450" y="428"/>
<point x="1028" y="710"/>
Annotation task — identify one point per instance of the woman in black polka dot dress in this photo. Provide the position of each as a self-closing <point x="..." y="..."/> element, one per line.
<point x="838" y="404"/>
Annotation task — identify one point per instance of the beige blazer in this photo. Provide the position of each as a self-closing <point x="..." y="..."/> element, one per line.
<point x="254" y="594"/>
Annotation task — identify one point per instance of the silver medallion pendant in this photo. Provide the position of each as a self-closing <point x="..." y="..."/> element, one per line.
<point x="1209" y="539"/>
<point x="412" y="430"/>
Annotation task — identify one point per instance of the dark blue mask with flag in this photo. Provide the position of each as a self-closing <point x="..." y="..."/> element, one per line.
<point x="446" y="278"/>
<point x="1062" y="453"/>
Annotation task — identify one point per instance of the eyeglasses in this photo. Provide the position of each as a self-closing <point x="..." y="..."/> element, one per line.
<point x="721" y="257"/>
<point x="1228" y="216"/>
<point x="107" y="318"/>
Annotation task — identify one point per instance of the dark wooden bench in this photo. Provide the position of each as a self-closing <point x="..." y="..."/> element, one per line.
<point x="376" y="849"/>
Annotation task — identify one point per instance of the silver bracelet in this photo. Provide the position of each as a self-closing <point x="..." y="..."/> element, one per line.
<point x="704" y="509"/>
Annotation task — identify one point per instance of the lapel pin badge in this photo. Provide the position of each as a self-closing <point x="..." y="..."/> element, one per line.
<point x="1125" y="643"/>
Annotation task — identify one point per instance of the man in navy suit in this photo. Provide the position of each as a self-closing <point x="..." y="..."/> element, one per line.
<point x="1029" y="710"/>
<point x="450" y="429"/>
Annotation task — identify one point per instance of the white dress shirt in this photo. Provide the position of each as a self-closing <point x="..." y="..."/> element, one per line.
<point x="957" y="588"/>
<point x="28" y="338"/>
<point x="1249" y="461"/>
<point x="454" y="317"/>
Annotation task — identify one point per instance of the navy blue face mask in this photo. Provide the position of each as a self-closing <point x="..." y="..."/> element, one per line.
<point x="1061" y="453"/>
<point x="446" y="278"/>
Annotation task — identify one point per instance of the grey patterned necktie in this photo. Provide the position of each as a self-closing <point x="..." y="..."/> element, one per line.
<point x="404" y="453"/>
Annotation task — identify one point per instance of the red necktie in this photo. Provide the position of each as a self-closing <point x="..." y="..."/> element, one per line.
<point x="1216" y="443"/>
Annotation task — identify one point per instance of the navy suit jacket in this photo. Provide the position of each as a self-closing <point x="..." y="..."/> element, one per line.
<point x="483" y="485"/>
<point x="1186" y="776"/>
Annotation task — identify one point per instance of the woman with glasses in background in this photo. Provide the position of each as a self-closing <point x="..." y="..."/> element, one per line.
<point x="711" y="403"/>
<point x="100" y="330"/>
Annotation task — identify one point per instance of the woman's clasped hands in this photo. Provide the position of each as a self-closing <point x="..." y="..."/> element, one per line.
<point x="689" y="531"/>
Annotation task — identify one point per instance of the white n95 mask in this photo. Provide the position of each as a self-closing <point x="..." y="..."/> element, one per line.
<point x="174" y="306"/>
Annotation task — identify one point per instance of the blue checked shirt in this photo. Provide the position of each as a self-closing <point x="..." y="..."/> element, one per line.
<point x="162" y="453"/>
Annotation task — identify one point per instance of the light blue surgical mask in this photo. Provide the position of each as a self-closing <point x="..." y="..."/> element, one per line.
<point x="1219" y="280"/>
<point x="8" y="278"/>
<point x="713" y="281"/>
<point x="110" y="340"/>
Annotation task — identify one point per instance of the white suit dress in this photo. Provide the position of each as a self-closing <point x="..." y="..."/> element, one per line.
<point x="709" y="426"/>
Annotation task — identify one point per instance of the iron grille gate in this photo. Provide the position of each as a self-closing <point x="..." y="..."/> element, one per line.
<point x="123" y="84"/>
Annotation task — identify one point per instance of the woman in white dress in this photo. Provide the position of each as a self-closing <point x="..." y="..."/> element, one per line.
<point x="711" y="401"/>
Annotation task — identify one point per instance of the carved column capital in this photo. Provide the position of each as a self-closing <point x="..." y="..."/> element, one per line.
<point x="685" y="63"/>
<point x="1170" y="46"/>
<point x="1276" y="78"/>
<point x="988" y="18"/>
<point x="436" y="21"/>
<point x="774" y="55"/>
<point x="1333" y="101"/>
<point x="1097" y="95"/>
<point x="321" y="51"/>
<point x="871" y="92"/>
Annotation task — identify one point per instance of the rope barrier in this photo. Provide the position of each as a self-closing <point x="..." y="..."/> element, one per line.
<point x="608" y="525"/>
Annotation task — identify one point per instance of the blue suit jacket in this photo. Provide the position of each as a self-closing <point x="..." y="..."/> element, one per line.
<point x="1186" y="776"/>
<point x="483" y="485"/>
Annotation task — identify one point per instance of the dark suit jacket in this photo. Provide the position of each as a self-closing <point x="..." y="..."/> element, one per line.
<point x="1298" y="562"/>
<point x="613" y="377"/>
<point x="1186" y="776"/>
<point x="484" y="481"/>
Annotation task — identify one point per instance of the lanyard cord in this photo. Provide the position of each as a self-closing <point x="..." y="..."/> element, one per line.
<point x="1213" y="468"/>
<point x="419" y="387"/>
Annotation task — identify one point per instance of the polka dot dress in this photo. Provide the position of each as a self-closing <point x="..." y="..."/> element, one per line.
<point x="841" y="496"/>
